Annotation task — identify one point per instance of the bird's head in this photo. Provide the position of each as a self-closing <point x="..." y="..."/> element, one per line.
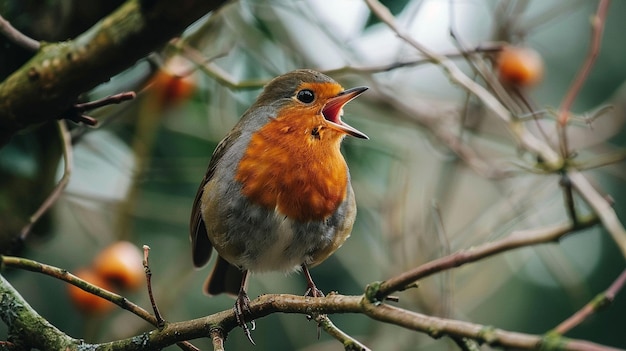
<point x="311" y="100"/>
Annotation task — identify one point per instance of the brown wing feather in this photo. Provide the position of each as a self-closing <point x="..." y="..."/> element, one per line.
<point x="200" y="245"/>
<point x="224" y="278"/>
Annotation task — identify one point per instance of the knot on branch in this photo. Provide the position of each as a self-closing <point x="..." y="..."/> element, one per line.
<point x="372" y="291"/>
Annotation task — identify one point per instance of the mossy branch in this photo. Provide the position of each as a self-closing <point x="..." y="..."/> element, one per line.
<point x="49" y="84"/>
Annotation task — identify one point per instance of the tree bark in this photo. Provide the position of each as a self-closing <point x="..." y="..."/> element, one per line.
<point x="48" y="84"/>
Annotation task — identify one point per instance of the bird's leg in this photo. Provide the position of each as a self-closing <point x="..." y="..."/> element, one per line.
<point x="242" y="306"/>
<point x="311" y="290"/>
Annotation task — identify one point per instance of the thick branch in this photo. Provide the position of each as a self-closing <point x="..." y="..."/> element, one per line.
<point x="27" y="329"/>
<point x="222" y="323"/>
<point x="437" y="327"/>
<point x="51" y="81"/>
<point x="268" y="304"/>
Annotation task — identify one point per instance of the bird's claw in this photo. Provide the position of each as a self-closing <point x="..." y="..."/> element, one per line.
<point x="242" y="306"/>
<point x="313" y="291"/>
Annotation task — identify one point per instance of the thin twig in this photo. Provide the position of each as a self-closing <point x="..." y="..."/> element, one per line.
<point x="146" y="267"/>
<point x="597" y="28"/>
<point x="601" y="207"/>
<point x="18" y="37"/>
<point x="550" y="158"/>
<point x="217" y="338"/>
<point x="76" y="113"/>
<point x="601" y="301"/>
<point x="466" y="344"/>
<point x="568" y="196"/>
<point x="445" y="135"/>
<point x="207" y="66"/>
<point x="513" y="241"/>
<point x="68" y="162"/>
<point x="108" y="100"/>
<point x="64" y="275"/>
<point x="348" y="342"/>
<point x="602" y="160"/>
<point x="214" y="71"/>
<point x="487" y="48"/>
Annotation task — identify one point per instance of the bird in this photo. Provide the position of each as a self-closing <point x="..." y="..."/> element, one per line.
<point x="277" y="194"/>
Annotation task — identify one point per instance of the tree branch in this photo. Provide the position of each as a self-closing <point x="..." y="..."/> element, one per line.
<point x="27" y="329"/>
<point x="220" y="324"/>
<point x="513" y="241"/>
<point x="17" y="37"/>
<point x="59" y="72"/>
<point x="599" y="302"/>
<point x="601" y="207"/>
<point x="274" y="303"/>
<point x="522" y="135"/>
<point x="62" y="274"/>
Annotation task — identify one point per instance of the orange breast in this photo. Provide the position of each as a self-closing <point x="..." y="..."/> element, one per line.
<point x="286" y="167"/>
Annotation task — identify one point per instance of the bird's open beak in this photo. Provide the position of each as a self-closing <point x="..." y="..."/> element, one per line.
<point x="333" y="110"/>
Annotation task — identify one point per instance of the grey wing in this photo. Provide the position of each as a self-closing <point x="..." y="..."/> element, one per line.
<point x="200" y="245"/>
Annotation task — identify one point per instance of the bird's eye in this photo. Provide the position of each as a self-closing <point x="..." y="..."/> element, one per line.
<point x="306" y="96"/>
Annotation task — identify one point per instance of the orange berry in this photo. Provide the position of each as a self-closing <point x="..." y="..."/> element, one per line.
<point x="121" y="263"/>
<point x="88" y="302"/>
<point x="171" y="87"/>
<point x="519" y="66"/>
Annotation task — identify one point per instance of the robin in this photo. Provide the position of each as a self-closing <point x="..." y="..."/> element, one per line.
<point x="277" y="194"/>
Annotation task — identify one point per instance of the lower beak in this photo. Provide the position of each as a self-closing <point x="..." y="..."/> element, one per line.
<point x="334" y="108"/>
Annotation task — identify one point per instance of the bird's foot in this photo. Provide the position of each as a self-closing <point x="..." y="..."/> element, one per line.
<point x="313" y="291"/>
<point x="242" y="306"/>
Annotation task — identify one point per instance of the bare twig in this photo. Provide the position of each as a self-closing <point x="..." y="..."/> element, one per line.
<point x="550" y="158"/>
<point x="446" y="136"/>
<point x="217" y="337"/>
<point x="109" y="100"/>
<point x="146" y="267"/>
<point x="214" y="71"/>
<point x="513" y="241"/>
<point x="597" y="28"/>
<point x="568" y="197"/>
<point x="601" y="301"/>
<point x="466" y="344"/>
<point x="64" y="275"/>
<point x="348" y="342"/>
<point x="601" y="207"/>
<point x="487" y="48"/>
<point x="17" y="37"/>
<point x="76" y="113"/>
<point x="602" y="160"/>
<point x="68" y="161"/>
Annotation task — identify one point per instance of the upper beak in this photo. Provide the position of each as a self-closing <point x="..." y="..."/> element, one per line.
<point x="333" y="110"/>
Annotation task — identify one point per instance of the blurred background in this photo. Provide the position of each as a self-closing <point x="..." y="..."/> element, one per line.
<point x="420" y="194"/>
